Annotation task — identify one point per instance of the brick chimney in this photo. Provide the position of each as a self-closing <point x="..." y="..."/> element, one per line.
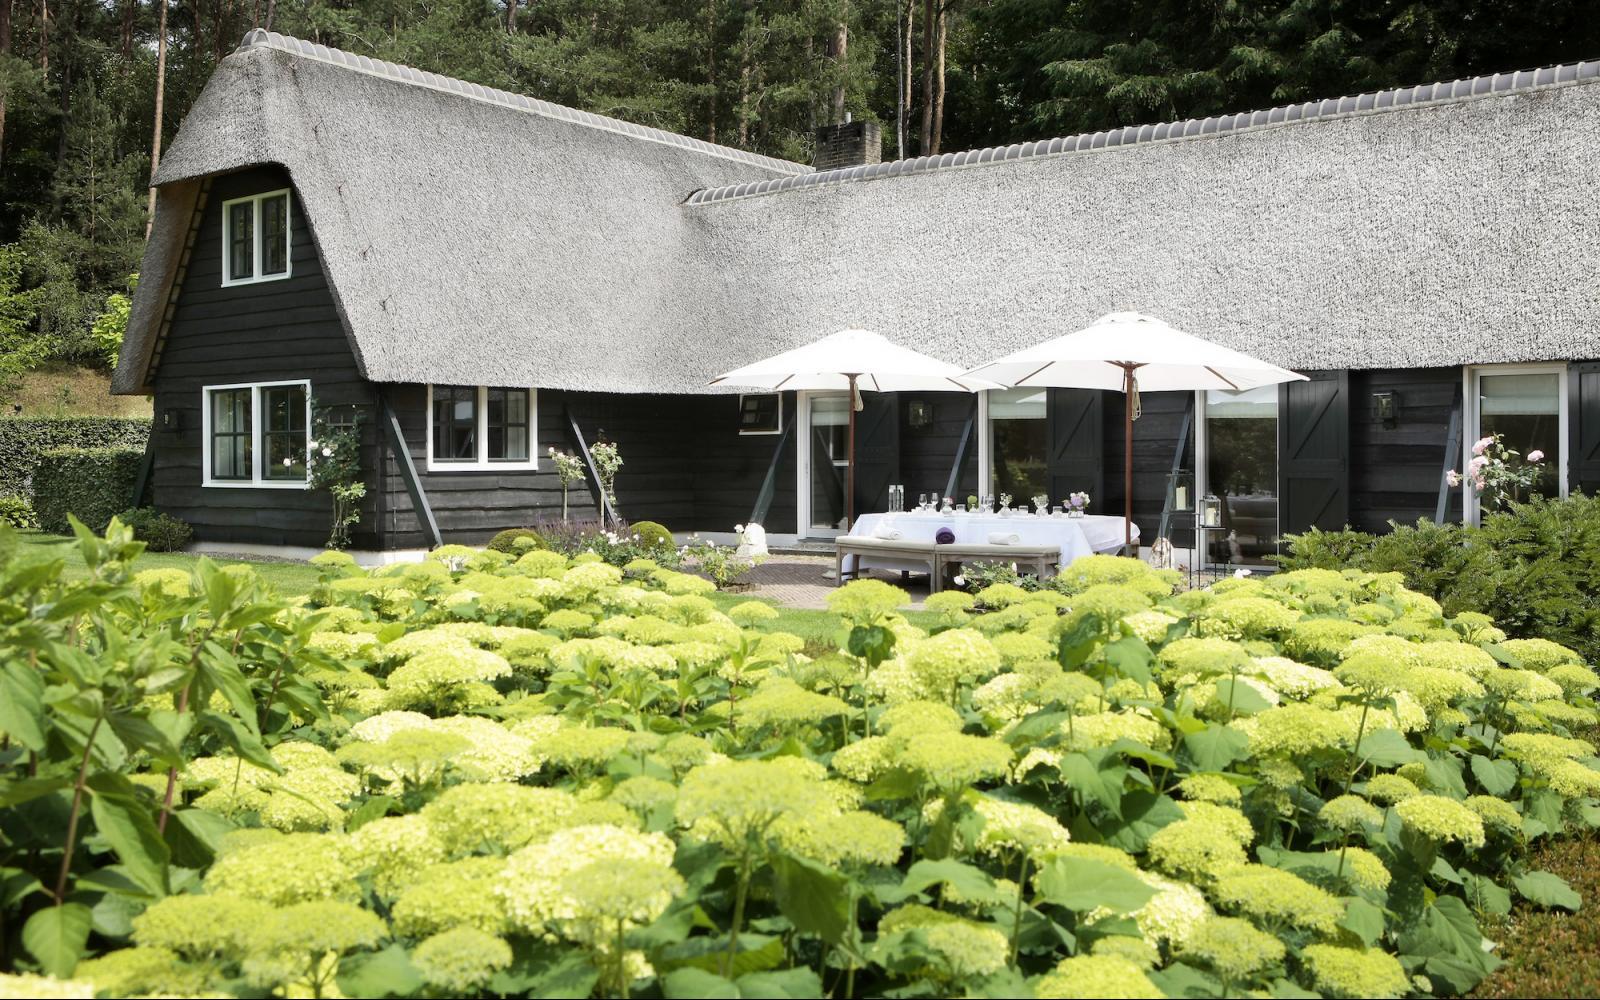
<point x="851" y="144"/>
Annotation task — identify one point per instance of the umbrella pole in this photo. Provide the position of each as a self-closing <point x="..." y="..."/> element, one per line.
<point x="850" y="473"/>
<point x="1127" y="458"/>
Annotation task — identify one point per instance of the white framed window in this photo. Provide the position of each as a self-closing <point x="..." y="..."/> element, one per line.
<point x="760" y="413"/>
<point x="1527" y="406"/>
<point x="255" y="238"/>
<point x="479" y="428"/>
<point x="1012" y="452"/>
<point x="255" y="434"/>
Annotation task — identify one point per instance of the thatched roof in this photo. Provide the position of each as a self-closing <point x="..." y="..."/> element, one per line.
<point x="473" y="238"/>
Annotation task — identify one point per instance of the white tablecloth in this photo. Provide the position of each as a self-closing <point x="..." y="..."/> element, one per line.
<point x="1075" y="536"/>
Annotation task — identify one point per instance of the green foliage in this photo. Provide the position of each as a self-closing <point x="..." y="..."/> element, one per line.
<point x="20" y="348"/>
<point x="652" y="535"/>
<point x="112" y="324"/>
<point x="1535" y="568"/>
<point x="516" y="541"/>
<point x="333" y="464"/>
<point x="91" y="484"/>
<point x="17" y="511"/>
<point x="160" y="532"/>
<point x="114" y="683"/>
<point x="24" y="439"/>
<point x="550" y="776"/>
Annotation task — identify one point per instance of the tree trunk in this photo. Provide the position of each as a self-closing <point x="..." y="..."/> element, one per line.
<point x="130" y="10"/>
<point x="255" y="16"/>
<point x="272" y="8"/>
<point x="5" y="50"/>
<point x="838" y="53"/>
<point x="746" y="71"/>
<point x="927" y="76"/>
<point x="942" y="31"/>
<point x="161" y="86"/>
<point x="511" y="17"/>
<point x="44" y="37"/>
<point x="197" y="44"/>
<point x="711" y="70"/>
<point x="221" y="14"/>
<point x="902" y="79"/>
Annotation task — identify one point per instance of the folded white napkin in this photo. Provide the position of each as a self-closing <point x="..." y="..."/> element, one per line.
<point x="1004" y="538"/>
<point x="887" y="532"/>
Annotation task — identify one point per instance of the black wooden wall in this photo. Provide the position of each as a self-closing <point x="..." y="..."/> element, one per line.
<point x="272" y="330"/>
<point x="1396" y="468"/>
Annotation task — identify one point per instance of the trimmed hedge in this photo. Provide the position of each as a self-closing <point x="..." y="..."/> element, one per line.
<point x="652" y="535"/>
<point x="23" y="440"/>
<point x="93" y="484"/>
<point x="506" y="541"/>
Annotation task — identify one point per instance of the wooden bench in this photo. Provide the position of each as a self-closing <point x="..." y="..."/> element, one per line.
<point x="846" y="546"/>
<point x="1040" y="560"/>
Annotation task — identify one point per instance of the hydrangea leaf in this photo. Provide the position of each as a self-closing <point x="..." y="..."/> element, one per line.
<point x="1445" y="944"/>
<point x="1487" y="895"/>
<point x="1182" y="980"/>
<point x="1095" y="778"/>
<point x="970" y="882"/>
<point x="1215" y="747"/>
<point x="690" y="983"/>
<point x="1547" y="889"/>
<point x="1240" y="697"/>
<point x="1082" y="884"/>
<point x="379" y="974"/>
<point x="55" y="936"/>
<point x="1388" y="748"/>
<point x="1130" y="657"/>
<point x="544" y="971"/>
<point x="798" y="983"/>
<point x="1143" y="813"/>
<point x="1497" y="777"/>
<point x="1363" y="920"/>
<point x="815" y="899"/>
<point x="22" y="704"/>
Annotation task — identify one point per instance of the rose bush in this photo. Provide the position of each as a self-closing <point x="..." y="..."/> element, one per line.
<point x="543" y="774"/>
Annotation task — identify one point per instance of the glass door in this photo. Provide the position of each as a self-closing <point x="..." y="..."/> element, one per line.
<point x="1239" y="466"/>
<point x="1018" y="432"/>
<point x="827" y="437"/>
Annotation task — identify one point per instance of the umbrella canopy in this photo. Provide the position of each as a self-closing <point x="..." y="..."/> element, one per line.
<point x="1128" y="352"/>
<point x="867" y="359"/>
<point x="1163" y="358"/>
<point x="850" y="361"/>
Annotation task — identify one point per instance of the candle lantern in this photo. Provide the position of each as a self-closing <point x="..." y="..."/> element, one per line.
<point x="1211" y="511"/>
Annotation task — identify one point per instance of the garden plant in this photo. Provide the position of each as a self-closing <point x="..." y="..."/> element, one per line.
<point x="540" y="774"/>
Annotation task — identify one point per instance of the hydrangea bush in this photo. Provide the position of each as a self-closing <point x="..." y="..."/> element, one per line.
<point x="488" y="774"/>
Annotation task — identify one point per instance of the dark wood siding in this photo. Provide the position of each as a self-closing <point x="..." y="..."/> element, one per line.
<point x="685" y="465"/>
<point x="928" y="452"/>
<point x="1155" y="436"/>
<point x="1396" y="470"/>
<point x="273" y="330"/>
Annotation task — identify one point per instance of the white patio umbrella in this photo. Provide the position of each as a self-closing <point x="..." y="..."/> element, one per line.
<point x="850" y="361"/>
<point x="1127" y="352"/>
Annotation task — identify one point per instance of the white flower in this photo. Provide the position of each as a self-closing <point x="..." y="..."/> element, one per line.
<point x="312" y="445"/>
<point x="1453" y="477"/>
<point x="1536" y="455"/>
<point x="959" y="580"/>
<point x="288" y="462"/>
<point x="327" y="453"/>
<point x="1240" y="574"/>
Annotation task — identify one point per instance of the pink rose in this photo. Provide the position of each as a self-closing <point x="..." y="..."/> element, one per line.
<point x="1477" y="463"/>
<point x="1536" y="455"/>
<point x="1482" y="445"/>
<point x="1453" y="478"/>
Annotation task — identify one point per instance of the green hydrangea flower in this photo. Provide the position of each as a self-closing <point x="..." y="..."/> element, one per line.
<point x="1233" y="948"/>
<point x="1355" y="972"/>
<point x="461" y="960"/>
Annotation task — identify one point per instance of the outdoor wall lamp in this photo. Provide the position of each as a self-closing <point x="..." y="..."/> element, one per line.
<point x="1386" y="407"/>
<point x="919" y="413"/>
<point x="172" y="419"/>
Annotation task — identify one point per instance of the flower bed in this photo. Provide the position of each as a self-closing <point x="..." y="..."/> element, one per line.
<point x="539" y="775"/>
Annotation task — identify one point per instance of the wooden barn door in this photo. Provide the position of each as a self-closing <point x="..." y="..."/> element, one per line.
<point x="1314" y="452"/>
<point x="877" y="450"/>
<point x="1077" y="445"/>
<point x="1583" y="402"/>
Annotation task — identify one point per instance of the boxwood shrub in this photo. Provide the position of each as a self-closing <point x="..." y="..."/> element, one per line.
<point x="24" y="439"/>
<point x="93" y="484"/>
<point x="160" y="532"/>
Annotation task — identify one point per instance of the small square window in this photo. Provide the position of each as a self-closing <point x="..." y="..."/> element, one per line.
<point x="255" y="238"/>
<point x="482" y="428"/>
<point x="761" y="413"/>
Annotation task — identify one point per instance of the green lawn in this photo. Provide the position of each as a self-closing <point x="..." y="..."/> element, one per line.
<point x="291" y="578"/>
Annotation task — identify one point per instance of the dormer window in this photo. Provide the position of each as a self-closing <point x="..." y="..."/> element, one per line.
<point x="255" y="238"/>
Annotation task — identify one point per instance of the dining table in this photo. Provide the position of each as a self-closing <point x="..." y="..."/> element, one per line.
<point x="1075" y="536"/>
